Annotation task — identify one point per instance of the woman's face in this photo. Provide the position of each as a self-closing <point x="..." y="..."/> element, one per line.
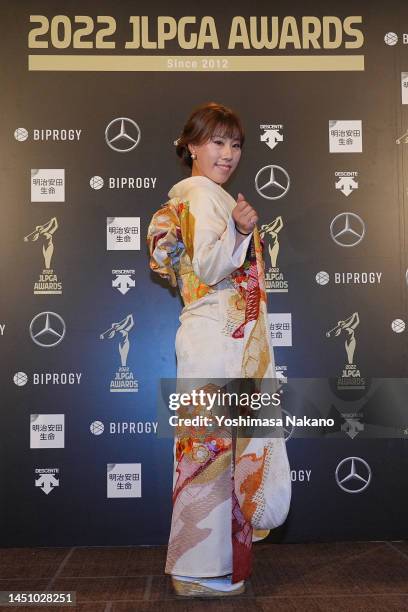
<point x="217" y="158"/>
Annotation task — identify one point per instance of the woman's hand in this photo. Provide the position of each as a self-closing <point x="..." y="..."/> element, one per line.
<point x="244" y="215"/>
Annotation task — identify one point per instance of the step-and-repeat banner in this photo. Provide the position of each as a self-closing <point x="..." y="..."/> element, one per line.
<point x="94" y="95"/>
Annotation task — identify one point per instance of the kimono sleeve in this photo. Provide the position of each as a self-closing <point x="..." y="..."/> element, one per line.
<point x="214" y="253"/>
<point x="163" y="243"/>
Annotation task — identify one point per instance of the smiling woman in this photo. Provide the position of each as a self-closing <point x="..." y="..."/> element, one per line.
<point x="206" y="243"/>
<point x="210" y="125"/>
<point x="217" y="158"/>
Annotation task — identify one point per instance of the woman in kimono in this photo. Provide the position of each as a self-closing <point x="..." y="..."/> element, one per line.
<point x="207" y="243"/>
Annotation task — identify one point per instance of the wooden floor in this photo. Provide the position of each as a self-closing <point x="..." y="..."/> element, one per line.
<point x="341" y="576"/>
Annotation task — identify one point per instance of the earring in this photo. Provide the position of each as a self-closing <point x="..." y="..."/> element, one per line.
<point x="193" y="156"/>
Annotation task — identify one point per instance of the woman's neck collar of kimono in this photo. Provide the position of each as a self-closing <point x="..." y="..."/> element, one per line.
<point x="208" y="180"/>
<point x="183" y="187"/>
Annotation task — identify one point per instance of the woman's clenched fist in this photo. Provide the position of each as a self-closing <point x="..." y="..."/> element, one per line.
<point x="244" y="215"/>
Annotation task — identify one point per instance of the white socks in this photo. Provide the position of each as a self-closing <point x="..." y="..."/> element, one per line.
<point x="219" y="583"/>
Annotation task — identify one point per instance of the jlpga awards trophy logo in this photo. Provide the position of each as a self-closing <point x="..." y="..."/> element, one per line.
<point x="124" y="381"/>
<point x="351" y="376"/>
<point x="48" y="283"/>
<point x="274" y="279"/>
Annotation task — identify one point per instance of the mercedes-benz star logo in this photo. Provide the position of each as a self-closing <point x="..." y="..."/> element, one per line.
<point x="124" y="137"/>
<point x="353" y="474"/>
<point x="347" y="229"/>
<point x="47" y="329"/>
<point x="272" y="182"/>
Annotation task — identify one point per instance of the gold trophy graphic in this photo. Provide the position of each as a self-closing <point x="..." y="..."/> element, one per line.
<point x="272" y="229"/>
<point x="351" y="377"/>
<point x="124" y="380"/>
<point x="274" y="280"/>
<point x="47" y="283"/>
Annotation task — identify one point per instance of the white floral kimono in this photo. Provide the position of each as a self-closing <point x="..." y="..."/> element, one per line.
<point x="223" y="335"/>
